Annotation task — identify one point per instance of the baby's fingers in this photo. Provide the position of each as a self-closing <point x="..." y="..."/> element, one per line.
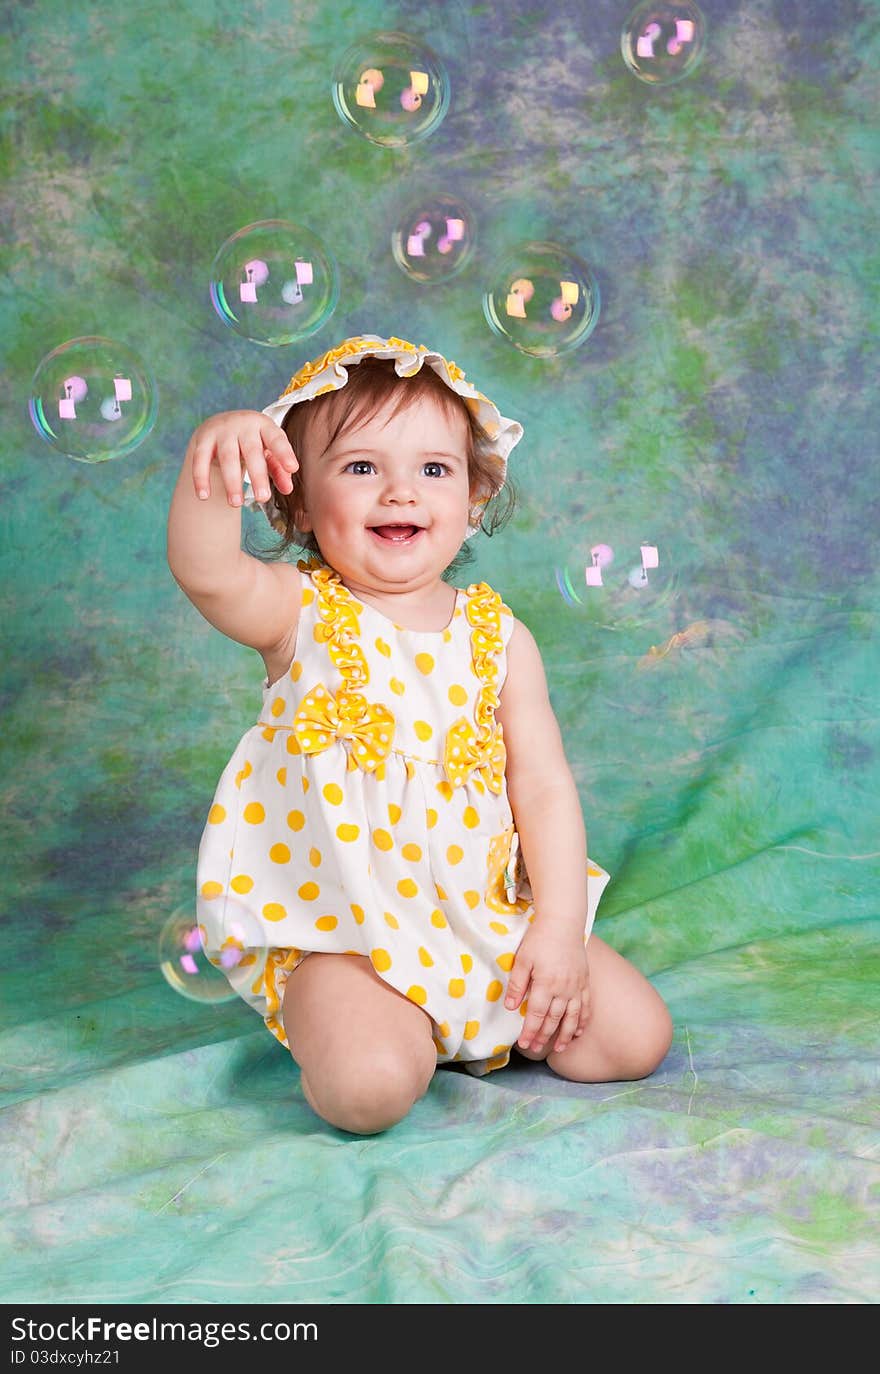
<point x="201" y="454"/>
<point x="568" y="1026"/>
<point x="281" y="460"/>
<point x="229" y="461"/>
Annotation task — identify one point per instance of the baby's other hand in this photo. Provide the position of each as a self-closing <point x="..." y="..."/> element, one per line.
<point x="239" y="442"/>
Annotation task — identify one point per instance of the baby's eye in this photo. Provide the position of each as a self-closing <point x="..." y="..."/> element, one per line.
<point x="358" y="463"/>
<point x="441" y="466"/>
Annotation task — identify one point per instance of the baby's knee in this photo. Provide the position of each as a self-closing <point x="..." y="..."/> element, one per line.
<point x="651" y="1046"/>
<point x="370" y="1093"/>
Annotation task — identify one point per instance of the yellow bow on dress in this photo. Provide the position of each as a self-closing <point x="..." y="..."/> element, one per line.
<point x="464" y="753"/>
<point x="322" y="719"/>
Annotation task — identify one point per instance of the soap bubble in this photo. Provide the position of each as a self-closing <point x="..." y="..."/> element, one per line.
<point x="274" y="282"/>
<point x="662" y="43"/>
<point x="391" y="88"/>
<point x="93" y="399"/>
<point x="434" y="238"/>
<point x="543" y="299"/>
<point x="616" y="586"/>
<point x="198" y="958"/>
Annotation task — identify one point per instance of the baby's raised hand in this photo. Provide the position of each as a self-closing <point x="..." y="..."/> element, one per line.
<point x="551" y="971"/>
<point x="239" y="442"/>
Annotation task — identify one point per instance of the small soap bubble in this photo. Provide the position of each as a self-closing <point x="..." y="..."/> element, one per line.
<point x="197" y="958"/>
<point x="391" y="89"/>
<point x="93" y="399"/>
<point x="434" y="238"/>
<point x="662" y="43"/>
<point x="619" y="586"/>
<point x="543" y="299"/>
<point x="274" y="282"/>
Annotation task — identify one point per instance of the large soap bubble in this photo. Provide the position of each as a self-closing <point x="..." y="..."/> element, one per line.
<point x="93" y="399"/>
<point x="662" y="43"/>
<point x="434" y="238"/>
<point x="391" y="89"/>
<point x="274" y="282"/>
<point x="543" y="299"/>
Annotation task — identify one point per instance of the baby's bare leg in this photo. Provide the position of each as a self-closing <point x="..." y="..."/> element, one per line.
<point x="365" y="1051"/>
<point x="629" y="1030"/>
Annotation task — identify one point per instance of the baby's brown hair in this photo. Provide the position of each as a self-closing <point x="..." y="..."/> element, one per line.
<point x="371" y="384"/>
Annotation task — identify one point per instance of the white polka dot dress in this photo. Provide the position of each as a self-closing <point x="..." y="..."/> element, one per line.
<point x="366" y="812"/>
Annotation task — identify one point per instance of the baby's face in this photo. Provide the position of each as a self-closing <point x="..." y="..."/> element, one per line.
<point x="408" y="470"/>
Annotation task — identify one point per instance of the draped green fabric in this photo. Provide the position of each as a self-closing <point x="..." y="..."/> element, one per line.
<point x="721" y="721"/>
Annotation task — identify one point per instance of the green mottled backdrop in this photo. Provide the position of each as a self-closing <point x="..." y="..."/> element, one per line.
<point x="724" y="409"/>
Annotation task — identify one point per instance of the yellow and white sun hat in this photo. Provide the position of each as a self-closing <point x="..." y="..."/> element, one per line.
<point x="329" y="373"/>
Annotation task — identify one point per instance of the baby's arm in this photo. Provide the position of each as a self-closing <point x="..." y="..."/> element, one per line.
<point x="551" y="965"/>
<point x="253" y="602"/>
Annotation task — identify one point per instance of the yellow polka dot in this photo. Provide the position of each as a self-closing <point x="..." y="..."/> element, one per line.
<point x="216" y="814"/>
<point x="471" y="1028"/>
<point x="254" y="813"/>
<point x="398" y="686"/>
<point x="308" y="891"/>
<point x="269" y="733"/>
<point x="456" y="987"/>
<point x="472" y="899"/>
<point x="394" y="813"/>
<point x="443" y="1029"/>
<point x="417" y="994"/>
<point x="425" y="663"/>
<point x="315" y="857"/>
<point x="407" y="887"/>
<point x="242" y="883"/>
<point x="431" y="817"/>
<point x="411" y="852"/>
<point x="410" y="770"/>
<point x="293" y="745"/>
<point x="494" y="990"/>
<point x="358" y="913"/>
<point x="470" y="817"/>
<point x="296" y="820"/>
<point x="279" y="854"/>
<point x="281" y="775"/>
<point x="277" y="707"/>
<point x="348" y="832"/>
<point x="594" y="872"/>
<point x="210" y="890"/>
<point x="380" y="959"/>
<point x="295" y="670"/>
<point x="391" y="921"/>
<point x="242" y="774"/>
<point x="422" y="729"/>
<point x="505" y="961"/>
<point x="305" y="783"/>
<point x="445" y="790"/>
<point x="333" y="792"/>
<point x="455" y="853"/>
<point x="441" y="893"/>
<point x="438" y="1045"/>
<point x="326" y="923"/>
<point x="524" y="1006"/>
<point x="457" y="695"/>
<point x="274" y="911"/>
<point x="501" y="1049"/>
<point x="437" y="918"/>
<point x="383" y="648"/>
<point x="382" y="840"/>
<point x="308" y="596"/>
<point x="498" y="928"/>
<point x="467" y="962"/>
<point x="425" y="957"/>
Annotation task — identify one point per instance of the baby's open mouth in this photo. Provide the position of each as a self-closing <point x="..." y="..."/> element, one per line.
<point x="396" y="534"/>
